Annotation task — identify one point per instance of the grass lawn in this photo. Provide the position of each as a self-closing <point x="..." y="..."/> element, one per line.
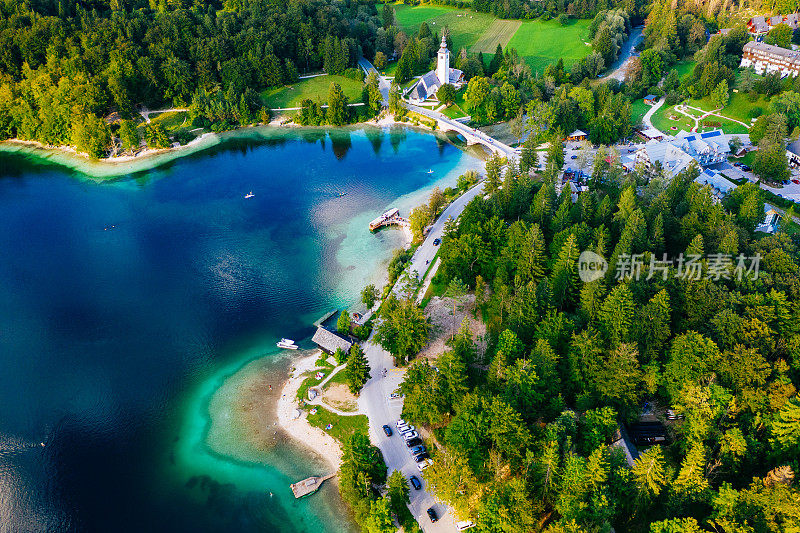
<point x="499" y="32"/>
<point x="454" y="112"/>
<point x="313" y="88"/>
<point x="728" y="126"/>
<point x="343" y="426"/>
<point x="542" y="43"/>
<point x="661" y="120"/>
<point x="390" y="68"/>
<point x="739" y="106"/>
<point x="466" y="26"/>
<point x="684" y="67"/>
<point x="539" y="42"/>
<point x="747" y="159"/>
<point x="638" y="110"/>
<point x="171" y="120"/>
<point x="339" y="378"/>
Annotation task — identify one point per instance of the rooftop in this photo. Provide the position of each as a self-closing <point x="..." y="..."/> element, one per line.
<point x="330" y="341"/>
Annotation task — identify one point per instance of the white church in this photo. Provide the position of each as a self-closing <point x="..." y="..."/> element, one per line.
<point x="430" y="82"/>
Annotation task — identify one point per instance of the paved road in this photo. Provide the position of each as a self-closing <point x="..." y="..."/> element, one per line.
<point x="646" y="118"/>
<point x="618" y="67"/>
<point x="383" y="83"/>
<point x="427" y="250"/>
<point x="375" y="402"/>
<point x="380" y="409"/>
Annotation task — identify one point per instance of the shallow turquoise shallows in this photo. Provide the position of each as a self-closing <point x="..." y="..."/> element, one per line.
<point x="126" y="304"/>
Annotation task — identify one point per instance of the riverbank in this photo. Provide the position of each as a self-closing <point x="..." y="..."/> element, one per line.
<point x="149" y="159"/>
<point x="298" y="427"/>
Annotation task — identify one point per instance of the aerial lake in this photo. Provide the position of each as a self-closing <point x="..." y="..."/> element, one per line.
<point x="126" y="304"/>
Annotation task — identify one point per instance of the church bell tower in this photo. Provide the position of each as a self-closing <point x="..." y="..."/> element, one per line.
<point x="443" y="62"/>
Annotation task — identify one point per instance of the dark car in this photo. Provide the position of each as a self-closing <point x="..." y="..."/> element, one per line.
<point x="418" y="449"/>
<point x="421" y="457"/>
<point x="432" y="514"/>
<point x="416" y="441"/>
<point x="415" y="482"/>
<point x="387" y="430"/>
<point x="746" y="167"/>
<point x="574" y="157"/>
<point x="437" y="242"/>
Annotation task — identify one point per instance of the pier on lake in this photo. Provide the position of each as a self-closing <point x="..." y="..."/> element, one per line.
<point x="309" y="485"/>
<point x="389" y="218"/>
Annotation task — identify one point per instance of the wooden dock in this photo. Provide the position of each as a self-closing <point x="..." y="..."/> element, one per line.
<point x="324" y="317"/>
<point x="389" y="218"/>
<point x="309" y="485"/>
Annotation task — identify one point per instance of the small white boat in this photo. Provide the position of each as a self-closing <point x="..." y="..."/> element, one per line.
<point x="249" y="195"/>
<point x="430" y="171"/>
<point x="287" y="344"/>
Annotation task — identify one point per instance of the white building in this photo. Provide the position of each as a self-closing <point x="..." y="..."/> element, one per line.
<point x="676" y="155"/>
<point x="720" y="185"/>
<point x="428" y="84"/>
<point x="766" y="59"/>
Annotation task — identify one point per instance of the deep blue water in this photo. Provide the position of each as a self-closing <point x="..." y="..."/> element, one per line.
<point x="123" y="302"/>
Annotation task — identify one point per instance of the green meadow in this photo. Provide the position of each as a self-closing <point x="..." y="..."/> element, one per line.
<point x="539" y="42"/>
<point x="314" y="88"/>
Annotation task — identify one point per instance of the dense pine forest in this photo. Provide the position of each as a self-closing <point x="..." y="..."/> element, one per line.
<point x="66" y="64"/>
<point x="711" y="353"/>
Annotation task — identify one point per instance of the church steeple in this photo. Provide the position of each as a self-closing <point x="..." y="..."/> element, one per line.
<point x="443" y="62"/>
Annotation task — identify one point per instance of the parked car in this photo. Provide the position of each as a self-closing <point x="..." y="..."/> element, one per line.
<point x="418" y="449"/>
<point x="395" y="396"/>
<point x="387" y="430"/>
<point x="437" y="241"/>
<point x="415" y="482"/>
<point x="464" y="524"/>
<point x="411" y="435"/>
<point x="421" y="457"/>
<point x="410" y="443"/>
<point x="432" y="514"/>
<point x="400" y="422"/>
<point x="573" y="157"/>
<point x="406" y="430"/>
<point x="672" y="415"/>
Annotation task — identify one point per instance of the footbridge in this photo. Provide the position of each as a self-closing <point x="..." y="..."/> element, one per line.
<point x="471" y="135"/>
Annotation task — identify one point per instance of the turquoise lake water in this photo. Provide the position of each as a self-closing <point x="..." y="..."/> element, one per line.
<point x="126" y="304"/>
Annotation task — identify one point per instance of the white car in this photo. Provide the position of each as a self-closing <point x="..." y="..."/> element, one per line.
<point x="400" y="422"/>
<point x="410" y="435"/>
<point x="406" y="429"/>
<point x="464" y="524"/>
<point x="424" y="464"/>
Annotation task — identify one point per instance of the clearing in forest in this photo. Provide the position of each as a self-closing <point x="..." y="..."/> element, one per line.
<point x="542" y="43"/>
<point x="500" y="32"/>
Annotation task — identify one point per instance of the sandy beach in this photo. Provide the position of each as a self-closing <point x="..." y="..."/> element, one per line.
<point x="298" y="428"/>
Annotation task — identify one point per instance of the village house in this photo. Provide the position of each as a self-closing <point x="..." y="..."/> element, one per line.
<point x="760" y="26"/>
<point x="577" y="135"/>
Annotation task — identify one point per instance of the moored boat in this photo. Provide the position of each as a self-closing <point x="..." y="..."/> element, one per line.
<point x="287" y="344"/>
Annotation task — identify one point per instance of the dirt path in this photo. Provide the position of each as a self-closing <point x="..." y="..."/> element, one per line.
<point x="714" y="113"/>
<point x="147" y="112"/>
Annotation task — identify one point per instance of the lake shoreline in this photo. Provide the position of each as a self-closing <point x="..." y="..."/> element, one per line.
<point x="298" y="427"/>
<point x="149" y="159"/>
